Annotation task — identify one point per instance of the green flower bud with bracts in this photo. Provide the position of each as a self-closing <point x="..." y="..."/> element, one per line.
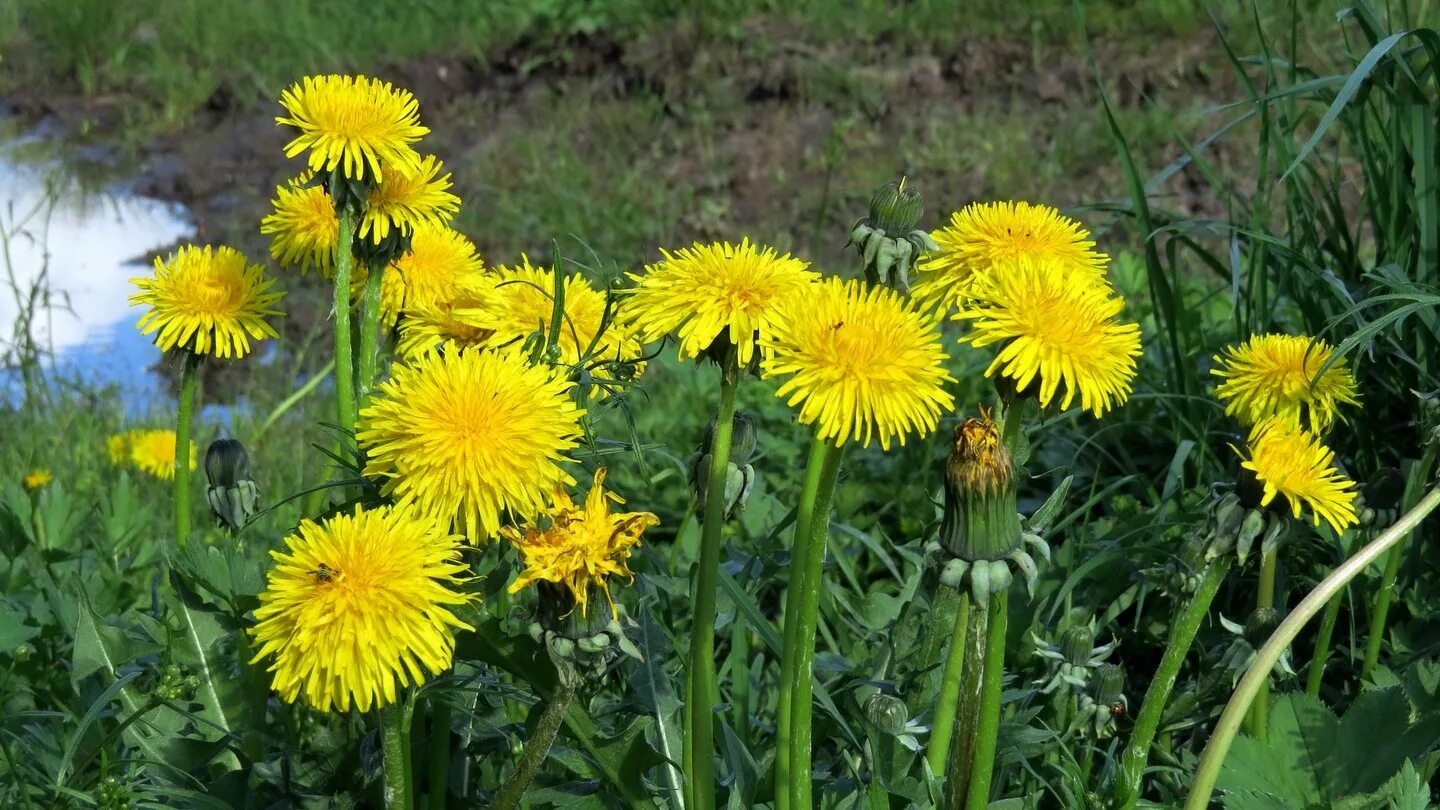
<point x="887" y="713"/>
<point x="232" y="494"/>
<point x="1102" y="701"/>
<point x="740" y="476"/>
<point x="582" y="645"/>
<point x="1249" y="638"/>
<point x="1232" y="525"/>
<point x="1073" y="659"/>
<point x="888" y="239"/>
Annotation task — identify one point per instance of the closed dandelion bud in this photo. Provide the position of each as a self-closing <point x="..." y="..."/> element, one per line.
<point x="887" y="239"/>
<point x="895" y="209"/>
<point x="1077" y="645"/>
<point x="739" y="477"/>
<point x="22" y="653"/>
<point x="980" y="521"/>
<point x="887" y="713"/>
<point x="232" y="494"/>
<point x="1109" y="681"/>
<point x="1261" y="625"/>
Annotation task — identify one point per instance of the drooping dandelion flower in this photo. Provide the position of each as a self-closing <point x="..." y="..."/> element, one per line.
<point x="1060" y="335"/>
<point x="1270" y="375"/>
<point x="426" y="328"/>
<point x="1293" y="463"/>
<point x="464" y="435"/>
<point x="861" y="363"/>
<point x="982" y="235"/>
<point x="355" y="123"/>
<point x="581" y="548"/>
<point x="36" y="479"/>
<point x="706" y="292"/>
<point x="404" y="202"/>
<point x="429" y="274"/>
<point x="153" y="452"/>
<point x="207" y="300"/>
<point x="303" y="228"/>
<point x="358" y="606"/>
<point x="519" y="302"/>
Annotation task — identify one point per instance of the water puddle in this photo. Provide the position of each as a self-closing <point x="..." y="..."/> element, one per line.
<point x="66" y="260"/>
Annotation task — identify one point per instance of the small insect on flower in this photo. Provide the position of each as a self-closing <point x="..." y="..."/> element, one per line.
<point x="324" y="573"/>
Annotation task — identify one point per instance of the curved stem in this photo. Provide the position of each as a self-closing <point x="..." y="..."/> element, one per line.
<point x="1229" y="725"/>
<point x="393" y="744"/>
<point x="988" y="731"/>
<point x="799" y="550"/>
<point x="1419" y="476"/>
<point x="182" y="448"/>
<point x="702" y="643"/>
<point x="344" y="363"/>
<point x="937" y="752"/>
<point x="369" y="335"/>
<point x="806" y="619"/>
<point x="536" y="750"/>
<point x="1147" y="721"/>
<point x="1264" y="598"/>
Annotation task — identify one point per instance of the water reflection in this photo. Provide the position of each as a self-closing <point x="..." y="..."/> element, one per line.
<point x="72" y="254"/>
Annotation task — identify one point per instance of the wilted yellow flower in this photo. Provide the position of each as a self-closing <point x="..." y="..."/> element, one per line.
<point x="466" y="434"/>
<point x="1270" y="375"/>
<point x="705" y="292"/>
<point x="37" y="479"/>
<point x="1056" y="331"/>
<point x="207" y="301"/>
<point x="404" y="202"/>
<point x="1292" y="462"/>
<point x="581" y="548"/>
<point x="304" y="228"/>
<point x="153" y="452"/>
<point x="354" y="123"/>
<point x="862" y="362"/>
<point x="358" y="606"/>
<point x="983" y="235"/>
<point x="440" y="259"/>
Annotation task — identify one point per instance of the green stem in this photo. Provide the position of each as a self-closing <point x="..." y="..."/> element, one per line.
<point x="1419" y="476"/>
<point x="967" y="719"/>
<point x="537" y="749"/>
<point x="740" y="680"/>
<point x="182" y="448"/>
<point x="799" y="550"/>
<point x="988" y="731"/>
<point x="344" y="363"/>
<point x="1147" y="721"/>
<point x="702" y="644"/>
<point x="393" y="743"/>
<point x="370" y="334"/>
<point x="1316" y="673"/>
<point x="807" y="617"/>
<point x="1269" y="653"/>
<point x="438" y="775"/>
<point x="938" y="750"/>
<point x="1264" y="598"/>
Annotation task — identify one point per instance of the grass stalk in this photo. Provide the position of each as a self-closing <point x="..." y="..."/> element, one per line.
<point x="1385" y="595"/>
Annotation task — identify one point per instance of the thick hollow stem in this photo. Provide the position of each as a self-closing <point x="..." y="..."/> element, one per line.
<point x="1147" y="721"/>
<point x="804" y="512"/>
<point x="967" y="712"/>
<point x="370" y="334"/>
<point x="702" y="644"/>
<point x="344" y="363"/>
<point x="1228" y="726"/>
<point x="1264" y="598"/>
<point x="806" y="620"/>
<point x="988" y="730"/>
<point x="1414" y="485"/>
<point x="536" y="750"/>
<point x="183" y="418"/>
<point x="938" y="750"/>
<point x="393" y="744"/>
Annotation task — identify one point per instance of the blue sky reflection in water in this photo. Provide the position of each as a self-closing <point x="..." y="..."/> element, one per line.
<point x="82" y="248"/>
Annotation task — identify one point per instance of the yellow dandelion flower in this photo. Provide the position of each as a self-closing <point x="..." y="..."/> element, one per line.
<point x="1057" y="330"/>
<point x="425" y="329"/>
<point x="982" y="235"/>
<point x="153" y="452"/>
<point x="862" y="362"/>
<point x="440" y="259"/>
<point x="582" y="548"/>
<point x="304" y="228"/>
<point x="37" y="479"/>
<point x="1269" y="375"/>
<point x="1290" y="461"/>
<point x="354" y="123"/>
<point x="118" y="448"/>
<point x="708" y="291"/>
<point x="207" y="301"/>
<point x="517" y="302"/>
<point x="463" y="435"/>
<point x="359" y="605"/>
<point x="404" y="202"/>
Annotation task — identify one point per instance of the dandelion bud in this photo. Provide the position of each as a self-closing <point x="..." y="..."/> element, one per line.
<point x="232" y="494"/>
<point x="22" y="653"/>
<point x="887" y="713"/>
<point x="1109" y="685"/>
<point x="1261" y="625"/>
<point x="1077" y="645"/>
<point x="740" y="476"/>
<point x="980" y="521"/>
<point x="895" y="209"/>
<point x="888" y="240"/>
